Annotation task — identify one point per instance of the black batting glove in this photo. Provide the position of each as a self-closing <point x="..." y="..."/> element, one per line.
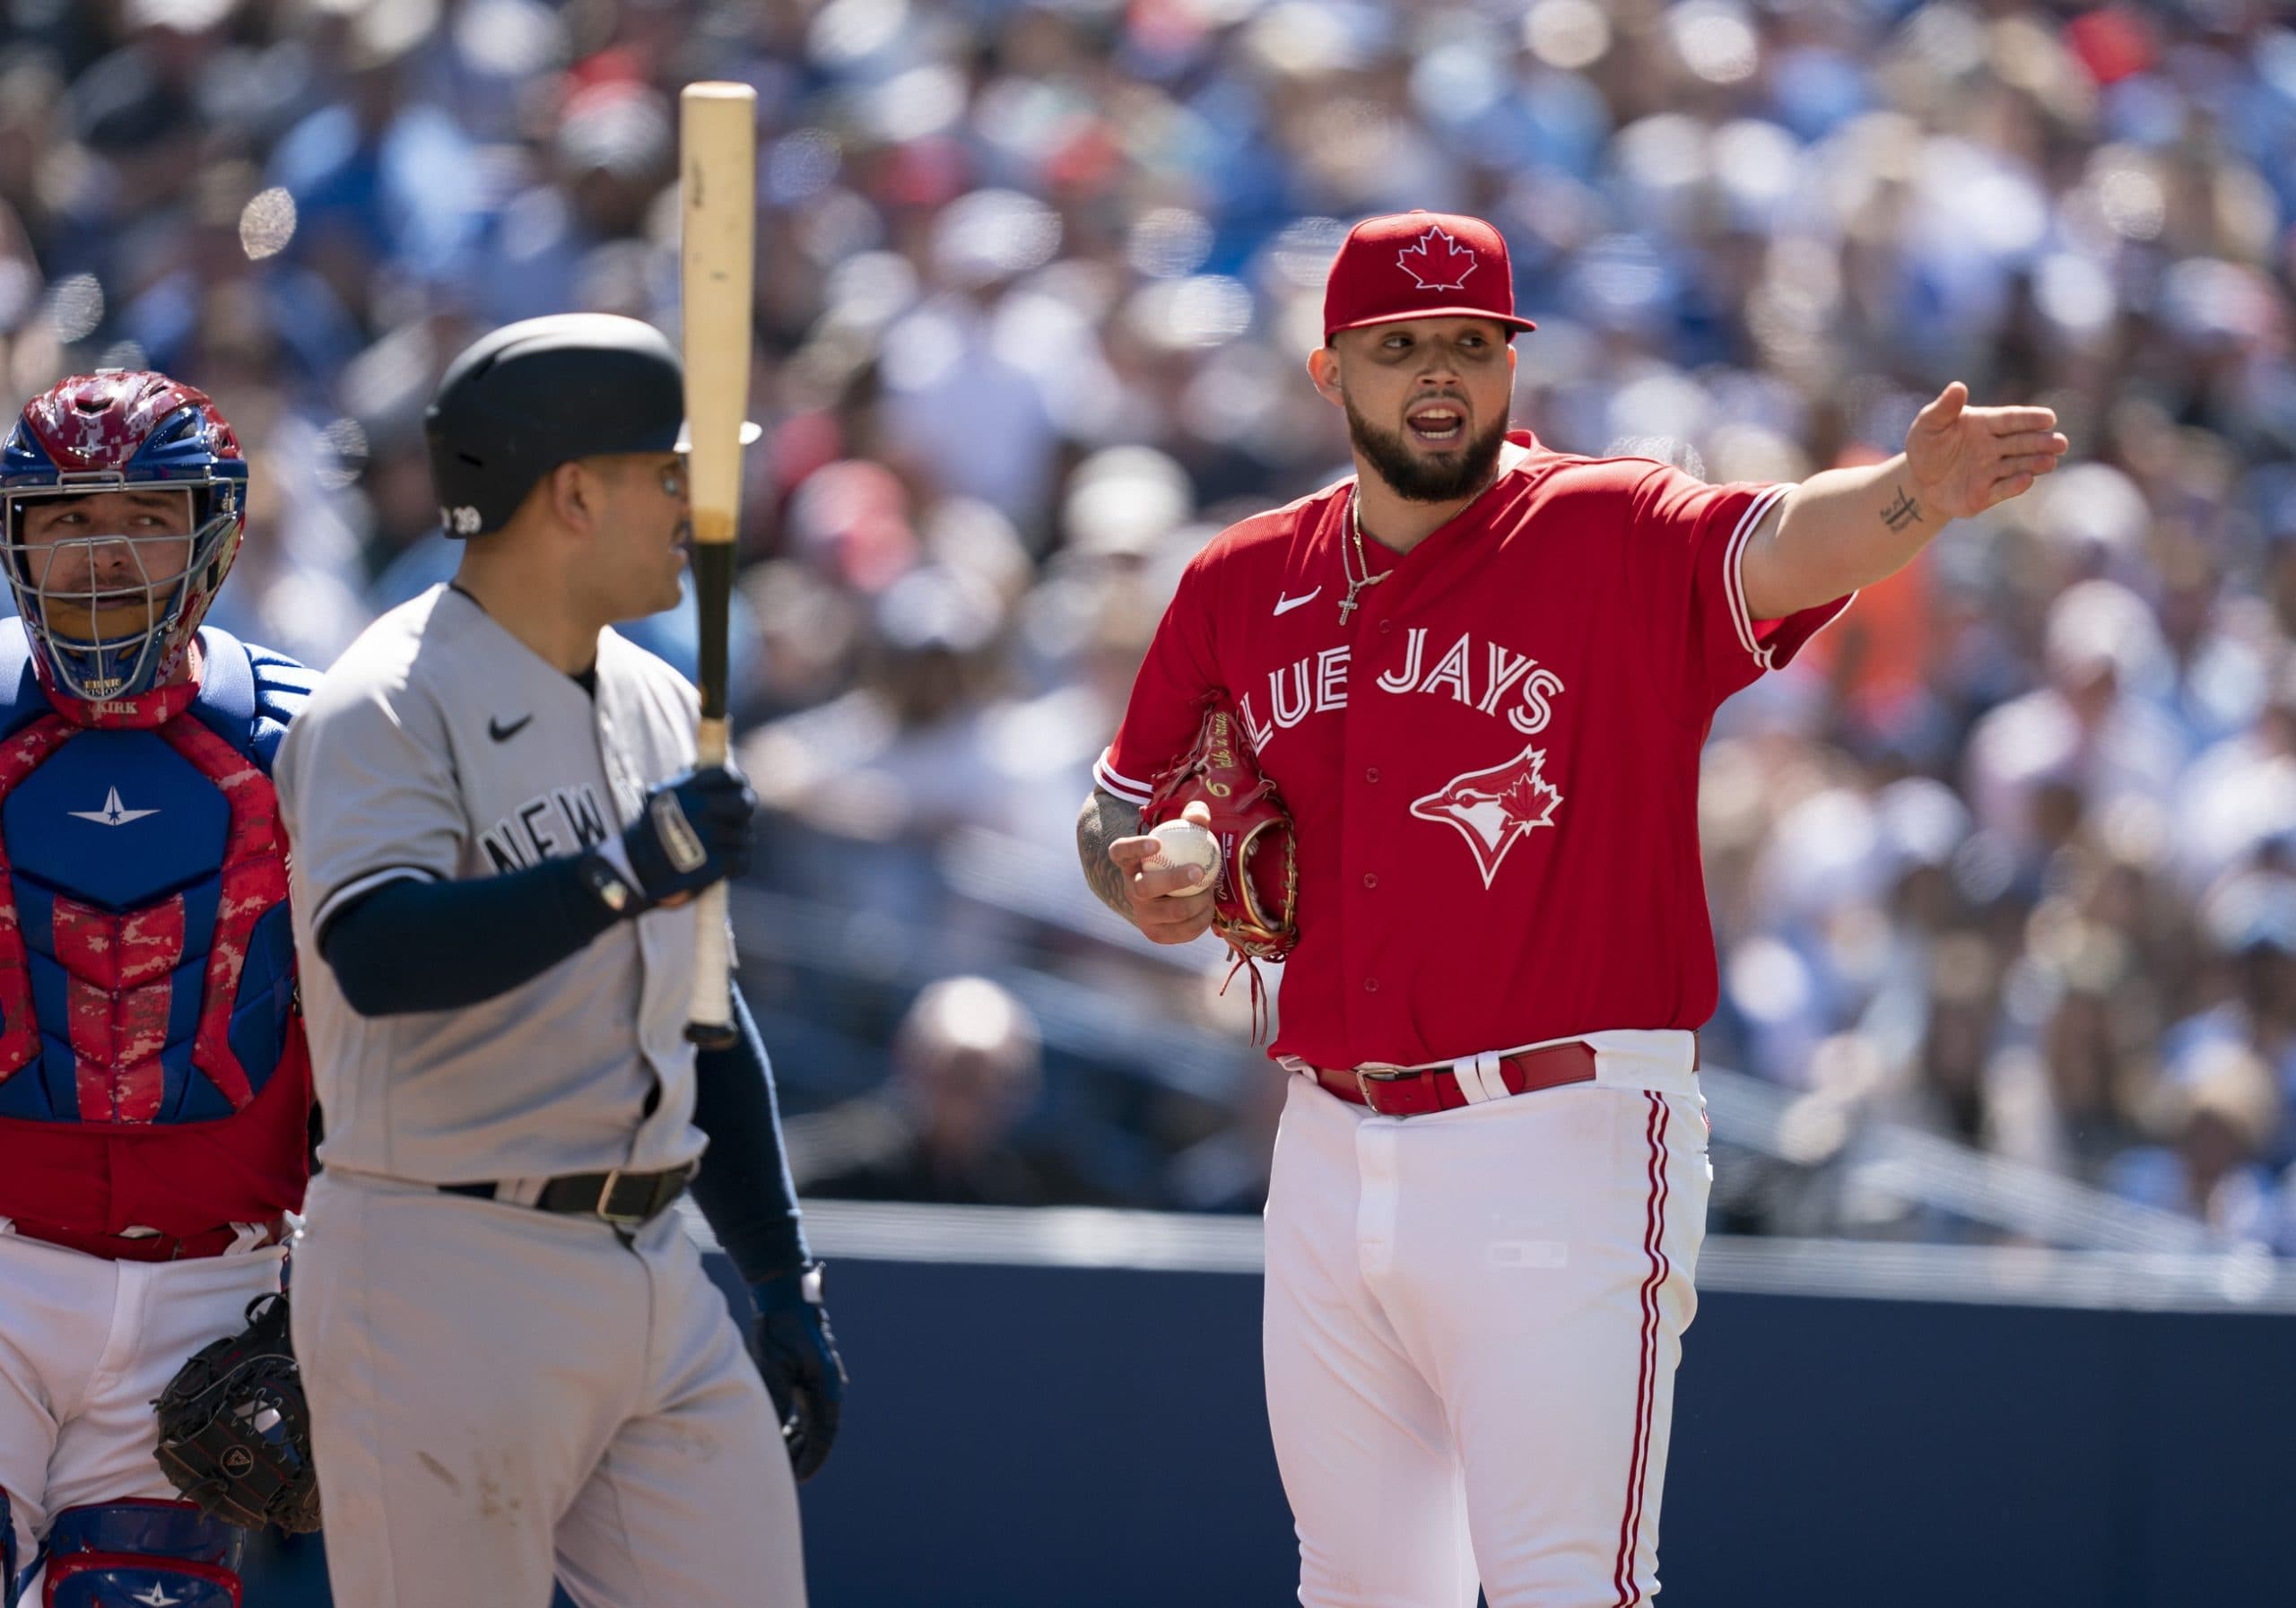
<point x="695" y="830"/>
<point x="795" y="1352"/>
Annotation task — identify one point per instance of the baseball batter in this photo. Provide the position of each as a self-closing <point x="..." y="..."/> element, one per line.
<point x="1480" y="672"/>
<point x="154" y="1084"/>
<point x="516" y="1365"/>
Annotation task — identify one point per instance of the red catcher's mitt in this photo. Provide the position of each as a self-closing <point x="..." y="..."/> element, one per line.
<point x="1255" y="904"/>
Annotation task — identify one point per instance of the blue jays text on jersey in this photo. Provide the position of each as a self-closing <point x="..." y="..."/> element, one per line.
<point x="1317" y="684"/>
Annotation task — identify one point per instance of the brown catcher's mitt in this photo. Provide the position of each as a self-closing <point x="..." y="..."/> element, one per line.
<point x="235" y="1436"/>
<point x="1256" y="900"/>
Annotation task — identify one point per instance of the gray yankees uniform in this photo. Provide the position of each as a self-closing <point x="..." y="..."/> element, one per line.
<point x="500" y="1392"/>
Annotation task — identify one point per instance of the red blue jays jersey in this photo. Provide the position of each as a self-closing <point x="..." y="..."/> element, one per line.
<point x="1493" y="759"/>
<point x="153" y="1069"/>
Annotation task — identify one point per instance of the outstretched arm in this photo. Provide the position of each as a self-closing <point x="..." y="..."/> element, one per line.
<point x="1846" y="528"/>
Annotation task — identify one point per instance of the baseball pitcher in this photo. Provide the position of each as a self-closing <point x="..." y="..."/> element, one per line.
<point x="1477" y="675"/>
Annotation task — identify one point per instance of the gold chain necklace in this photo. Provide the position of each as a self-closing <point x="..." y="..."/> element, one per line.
<point x="1362" y="562"/>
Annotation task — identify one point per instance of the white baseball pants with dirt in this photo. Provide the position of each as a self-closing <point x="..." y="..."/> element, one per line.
<point x="500" y="1396"/>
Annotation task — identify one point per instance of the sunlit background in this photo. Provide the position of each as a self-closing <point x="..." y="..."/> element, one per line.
<point x="2005" y="861"/>
<point x="2004" y="869"/>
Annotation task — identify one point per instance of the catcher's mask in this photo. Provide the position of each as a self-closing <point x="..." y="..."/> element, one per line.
<point x="120" y="431"/>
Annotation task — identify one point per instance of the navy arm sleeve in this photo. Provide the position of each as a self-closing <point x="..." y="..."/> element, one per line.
<point x="744" y="1188"/>
<point x="419" y="945"/>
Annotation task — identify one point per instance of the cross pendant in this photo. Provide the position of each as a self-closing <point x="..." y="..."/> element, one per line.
<point x="1348" y="604"/>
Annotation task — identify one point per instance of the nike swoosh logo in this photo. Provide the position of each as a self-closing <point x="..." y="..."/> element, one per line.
<point x="503" y="733"/>
<point x="1284" y="605"/>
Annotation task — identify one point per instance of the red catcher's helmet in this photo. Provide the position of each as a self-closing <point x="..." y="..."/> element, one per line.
<point x="115" y="430"/>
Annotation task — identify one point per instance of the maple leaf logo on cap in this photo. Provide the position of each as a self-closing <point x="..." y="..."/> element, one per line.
<point x="1434" y="267"/>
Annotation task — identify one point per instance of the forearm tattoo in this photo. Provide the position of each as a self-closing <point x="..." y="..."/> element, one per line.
<point x="1104" y="819"/>
<point x="1902" y="512"/>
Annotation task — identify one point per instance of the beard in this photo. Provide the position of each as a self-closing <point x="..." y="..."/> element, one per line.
<point x="1415" y="479"/>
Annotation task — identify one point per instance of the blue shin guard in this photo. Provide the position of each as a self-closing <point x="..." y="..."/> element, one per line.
<point x="141" y="1555"/>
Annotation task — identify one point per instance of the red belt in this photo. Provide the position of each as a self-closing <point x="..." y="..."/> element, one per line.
<point x="147" y="1247"/>
<point x="1392" y="1092"/>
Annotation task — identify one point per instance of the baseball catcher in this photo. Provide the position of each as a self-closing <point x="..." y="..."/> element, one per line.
<point x="154" y="1086"/>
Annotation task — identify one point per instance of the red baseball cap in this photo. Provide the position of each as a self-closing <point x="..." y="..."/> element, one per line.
<point x="1420" y="264"/>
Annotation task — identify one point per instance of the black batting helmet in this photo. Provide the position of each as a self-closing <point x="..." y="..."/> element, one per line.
<point x="541" y="393"/>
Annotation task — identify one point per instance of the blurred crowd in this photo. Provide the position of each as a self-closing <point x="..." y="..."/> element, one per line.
<point x="2009" y="857"/>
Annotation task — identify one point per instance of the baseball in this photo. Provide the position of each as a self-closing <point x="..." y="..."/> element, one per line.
<point x="1185" y="843"/>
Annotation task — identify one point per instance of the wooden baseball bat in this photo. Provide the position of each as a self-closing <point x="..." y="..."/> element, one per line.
<point x="717" y="170"/>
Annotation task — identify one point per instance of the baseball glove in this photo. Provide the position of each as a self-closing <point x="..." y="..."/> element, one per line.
<point x="235" y="1434"/>
<point x="1256" y="900"/>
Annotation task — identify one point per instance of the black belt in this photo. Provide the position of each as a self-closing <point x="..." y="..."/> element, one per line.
<point x="624" y="1199"/>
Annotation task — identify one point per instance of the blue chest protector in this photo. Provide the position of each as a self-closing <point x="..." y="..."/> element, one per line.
<point x="146" y="964"/>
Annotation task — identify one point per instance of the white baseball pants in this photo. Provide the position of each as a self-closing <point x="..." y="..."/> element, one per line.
<point x="86" y="1343"/>
<point x="1473" y="1322"/>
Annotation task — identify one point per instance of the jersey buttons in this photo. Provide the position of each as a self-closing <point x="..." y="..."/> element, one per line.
<point x="1371" y="774"/>
<point x="1370" y="879"/>
<point x="1370" y="985"/>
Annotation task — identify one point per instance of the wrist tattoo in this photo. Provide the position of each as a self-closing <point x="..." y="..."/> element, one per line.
<point x="1902" y="512"/>
<point x="1104" y="819"/>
